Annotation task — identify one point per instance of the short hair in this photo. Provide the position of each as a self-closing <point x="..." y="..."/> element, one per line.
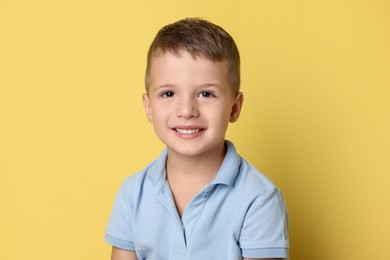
<point x="198" y="37"/>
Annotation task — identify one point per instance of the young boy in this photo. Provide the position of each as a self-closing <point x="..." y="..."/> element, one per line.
<point x="199" y="200"/>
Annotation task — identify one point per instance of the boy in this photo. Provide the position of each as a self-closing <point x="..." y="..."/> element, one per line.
<point x="199" y="200"/>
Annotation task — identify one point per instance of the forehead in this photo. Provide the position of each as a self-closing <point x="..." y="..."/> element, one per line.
<point x="182" y="67"/>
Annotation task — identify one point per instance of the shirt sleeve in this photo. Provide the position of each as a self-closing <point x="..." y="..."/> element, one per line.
<point x="118" y="230"/>
<point x="264" y="233"/>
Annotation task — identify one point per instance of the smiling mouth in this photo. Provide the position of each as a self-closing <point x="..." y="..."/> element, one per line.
<point x="187" y="131"/>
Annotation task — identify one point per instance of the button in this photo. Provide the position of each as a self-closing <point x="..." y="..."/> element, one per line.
<point x="205" y="194"/>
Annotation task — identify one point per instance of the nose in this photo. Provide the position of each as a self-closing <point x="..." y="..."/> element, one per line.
<point x="187" y="107"/>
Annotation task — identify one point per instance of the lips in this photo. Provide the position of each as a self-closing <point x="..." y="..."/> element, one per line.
<point x="188" y="132"/>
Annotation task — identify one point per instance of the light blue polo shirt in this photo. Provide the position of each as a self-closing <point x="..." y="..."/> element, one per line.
<point x="239" y="214"/>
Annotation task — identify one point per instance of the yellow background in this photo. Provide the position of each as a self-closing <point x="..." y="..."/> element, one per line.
<point x="316" y="78"/>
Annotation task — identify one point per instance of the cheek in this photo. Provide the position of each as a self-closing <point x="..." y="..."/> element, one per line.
<point x="158" y="115"/>
<point x="220" y="114"/>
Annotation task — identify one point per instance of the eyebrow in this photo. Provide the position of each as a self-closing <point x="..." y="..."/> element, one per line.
<point x="154" y="89"/>
<point x="205" y="85"/>
<point x="211" y="85"/>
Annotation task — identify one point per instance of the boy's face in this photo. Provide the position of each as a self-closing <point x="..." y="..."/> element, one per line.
<point x="190" y="103"/>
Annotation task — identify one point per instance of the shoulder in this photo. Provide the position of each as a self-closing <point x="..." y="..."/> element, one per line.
<point x="257" y="194"/>
<point x="251" y="179"/>
<point x="134" y="181"/>
<point x="240" y="175"/>
<point x="142" y="181"/>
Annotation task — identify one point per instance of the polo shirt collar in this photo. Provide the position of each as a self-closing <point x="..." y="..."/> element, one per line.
<point x="156" y="171"/>
<point x="226" y="175"/>
<point x="230" y="167"/>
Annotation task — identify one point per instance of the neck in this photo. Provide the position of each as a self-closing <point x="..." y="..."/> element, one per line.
<point x="204" y="167"/>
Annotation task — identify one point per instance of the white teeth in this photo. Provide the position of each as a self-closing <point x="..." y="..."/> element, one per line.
<point x="187" y="131"/>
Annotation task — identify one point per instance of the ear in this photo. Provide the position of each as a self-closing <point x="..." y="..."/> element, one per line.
<point x="148" y="110"/>
<point x="236" y="108"/>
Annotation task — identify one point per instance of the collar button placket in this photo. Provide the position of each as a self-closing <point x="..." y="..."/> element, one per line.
<point x="166" y="199"/>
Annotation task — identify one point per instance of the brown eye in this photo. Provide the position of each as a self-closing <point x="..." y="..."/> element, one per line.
<point x="207" y="94"/>
<point x="168" y="94"/>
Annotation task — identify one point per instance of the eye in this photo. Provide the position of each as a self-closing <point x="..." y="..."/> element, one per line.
<point x="207" y="94"/>
<point x="167" y="94"/>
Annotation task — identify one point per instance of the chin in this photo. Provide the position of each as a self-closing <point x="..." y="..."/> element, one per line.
<point x="192" y="149"/>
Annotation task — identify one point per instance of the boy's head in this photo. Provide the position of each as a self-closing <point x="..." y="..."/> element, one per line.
<point x="199" y="38"/>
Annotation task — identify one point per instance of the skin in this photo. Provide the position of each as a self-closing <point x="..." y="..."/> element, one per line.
<point x="190" y="103"/>
<point x="121" y="254"/>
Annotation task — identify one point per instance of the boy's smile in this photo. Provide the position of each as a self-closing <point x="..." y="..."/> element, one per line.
<point x="188" y="131"/>
<point x="190" y="103"/>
